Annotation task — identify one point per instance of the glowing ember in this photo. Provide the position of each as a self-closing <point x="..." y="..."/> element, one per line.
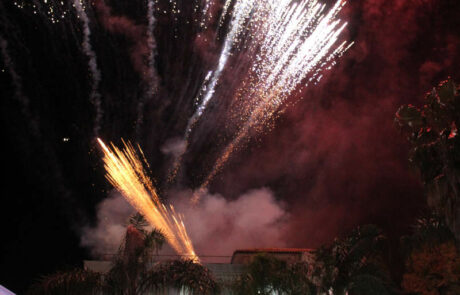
<point x="125" y="171"/>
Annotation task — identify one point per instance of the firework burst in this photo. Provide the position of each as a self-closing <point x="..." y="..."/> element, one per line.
<point x="125" y="171"/>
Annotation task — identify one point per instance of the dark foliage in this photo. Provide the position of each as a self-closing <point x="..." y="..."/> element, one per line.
<point x="432" y="259"/>
<point x="356" y="264"/>
<point x="435" y="148"/>
<point x="182" y="275"/>
<point x="269" y="275"/>
<point x="75" y="282"/>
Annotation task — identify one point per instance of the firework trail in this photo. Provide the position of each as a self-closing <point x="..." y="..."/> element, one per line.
<point x="17" y="82"/>
<point x="152" y="77"/>
<point x="95" y="96"/>
<point x="32" y="121"/>
<point x="296" y="42"/>
<point x="125" y="171"/>
<point x="241" y="14"/>
<point x="188" y="130"/>
<point x="206" y="14"/>
<point x="240" y="17"/>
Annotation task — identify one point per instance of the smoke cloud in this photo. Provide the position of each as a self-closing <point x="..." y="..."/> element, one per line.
<point x="217" y="226"/>
<point x="174" y="147"/>
<point x="112" y="217"/>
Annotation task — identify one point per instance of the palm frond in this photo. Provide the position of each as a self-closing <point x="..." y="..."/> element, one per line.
<point x="75" y="282"/>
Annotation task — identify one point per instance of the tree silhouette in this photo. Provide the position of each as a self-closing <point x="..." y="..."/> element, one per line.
<point x="355" y="265"/>
<point x="432" y="259"/>
<point x="269" y="275"/>
<point x="435" y="148"/>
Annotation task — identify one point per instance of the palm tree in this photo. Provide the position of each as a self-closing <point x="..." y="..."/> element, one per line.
<point x="74" y="282"/>
<point x="432" y="132"/>
<point x="134" y="258"/>
<point x="135" y="270"/>
<point x="186" y="276"/>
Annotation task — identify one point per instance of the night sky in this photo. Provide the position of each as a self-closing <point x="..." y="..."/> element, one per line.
<point x="332" y="159"/>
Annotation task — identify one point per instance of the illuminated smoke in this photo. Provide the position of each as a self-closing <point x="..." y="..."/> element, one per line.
<point x="217" y="226"/>
<point x="125" y="171"/>
<point x="112" y="216"/>
<point x="95" y="96"/>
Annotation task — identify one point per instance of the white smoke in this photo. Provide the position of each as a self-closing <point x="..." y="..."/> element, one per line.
<point x="112" y="216"/>
<point x="216" y="226"/>
<point x="174" y="147"/>
<point x="95" y="96"/>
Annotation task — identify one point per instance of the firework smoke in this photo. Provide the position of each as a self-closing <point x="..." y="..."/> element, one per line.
<point x="95" y="96"/>
<point x="112" y="216"/>
<point x="151" y="76"/>
<point x="142" y="52"/>
<point x="217" y="226"/>
<point x="17" y="82"/>
<point x="142" y="47"/>
<point x="126" y="173"/>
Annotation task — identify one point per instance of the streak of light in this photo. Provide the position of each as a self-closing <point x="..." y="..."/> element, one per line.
<point x="125" y="171"/>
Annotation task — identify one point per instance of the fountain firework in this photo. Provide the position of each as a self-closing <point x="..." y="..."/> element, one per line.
<point x="125" y="171"/>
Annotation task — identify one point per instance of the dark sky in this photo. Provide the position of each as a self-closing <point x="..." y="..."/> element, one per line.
<point x="334" y="159"/>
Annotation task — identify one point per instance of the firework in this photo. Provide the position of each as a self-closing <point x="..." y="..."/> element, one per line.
<point x="188" y="130"/>
<point x="125" y="171"/>
<point x="95" y="96"/>
<point x="290" y="43"/>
